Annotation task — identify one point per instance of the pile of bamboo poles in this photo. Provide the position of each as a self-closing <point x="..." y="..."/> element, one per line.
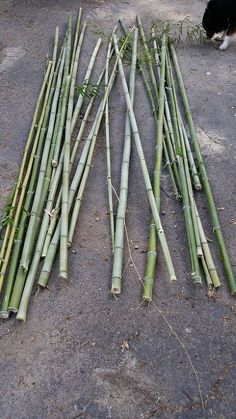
<point x="46" y="201"/>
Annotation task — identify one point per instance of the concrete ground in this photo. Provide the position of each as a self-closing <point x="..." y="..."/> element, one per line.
<point x="68" y="360"/>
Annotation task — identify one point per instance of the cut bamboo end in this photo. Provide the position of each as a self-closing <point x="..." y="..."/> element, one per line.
<point x="4" y="314"/>
<point x="148" y="288"/>
<point x="43" y="279"/>
<point x="63" y="275"/>
<point x="116" y="286"/>
<point x="173" y="278"/>
<point x="215" y="279"/>
<point x="13" y="309"/>
<point x="199" y="251"/>
<point x="198" y="186"/>
<point x="196" y="279"/>
<point x="54" y="163"/>
<point x="21" y="316"/>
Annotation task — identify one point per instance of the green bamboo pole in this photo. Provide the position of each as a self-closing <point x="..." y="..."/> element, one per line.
<point x="192" y="165"/>
<point x="148" y="281"/>
<point x="90" y="142"/>
<point x="149" y="190"/>
<point x="55" y="184"/>
<point x="22" y="194"/>
<point x="204" y="179"/>
<point x="74" y="185"/>
<point x="31" y="139"/>
<point x="184" y="185"/>
<point x="168" y="165"/>
<point x="58" y="147"/>
<point x="37" y="203"/>
<point x="25" y="213"/>
<point x="86" y="79"/>
<point x="50" y="114"/>
<point x="167" y="127"/>
<point x="36" y="258"/>
<point x="124" y="182"/>
<point x="207" y="252"/>
<point x="66" y="174"/>
<point x="76" y="36"/>
<point x="108" y="152"/>
<point x="209" y="282"/>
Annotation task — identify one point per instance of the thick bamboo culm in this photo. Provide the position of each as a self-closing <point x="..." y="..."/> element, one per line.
<point x="124" y="183"/>
<point x="148" y="186"/>
<point x="204" y="179"/>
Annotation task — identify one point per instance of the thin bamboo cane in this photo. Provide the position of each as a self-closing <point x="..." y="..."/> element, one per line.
<point x="66" y="173"/>
<point x="124" y="182"/>
<point x="50" y="110"/>
<point x="27" y="151"/>
<point x="54" y="186"/>
<point x="192" y="165"/>
<point x="148" y="281"/>
<point x="149" y="190"/>
<point x="87" y="76"/>
<point x="207" y="273"/>
<point x="37" y="203"/>
<point x="22" y="192"/>
<point x="108" y="152"/>
<point x="57" y="149"/>
<point x="47" y="179"/>
<point x="207" y="252"/>
<point x="167" y="123"/>
<point x="25" y="213"/>
<point x="90" y="142"/>
<point x="74" y="185"/>
<point x="184" y="186"/>
<point x="168" y="129"/>
<point x="77" y="29"/>
<point x="204" y="179"/>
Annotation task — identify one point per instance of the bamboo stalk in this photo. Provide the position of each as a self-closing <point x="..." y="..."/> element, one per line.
<point x="86" y="79"/>
<point x="167" y="122"/>
<point x="77" y="29"/>
<point x="151" y="256"/>
<point x="90" y="142"/>
<point x="108" y="152"/>
<point x="207" y="252"/>
<point x="51" y="198"/>
<point x="204" y="179"/>
<point x="27" y="150"/>
<point x="24" y="214"/>
<point x="57" y="149"/>
<point x="50" y="109"/>
<point x="143" y="165"/>
<point x="38" y="201"/>
<point x="23" y="189"/>
<point x="184" y="185"/>
<point x="66" y="173"/>
<point x="192" y="165"/>
<point x="74" y="185"/>
<point x="124" y="182"/>
<point x="207" y="273"/>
